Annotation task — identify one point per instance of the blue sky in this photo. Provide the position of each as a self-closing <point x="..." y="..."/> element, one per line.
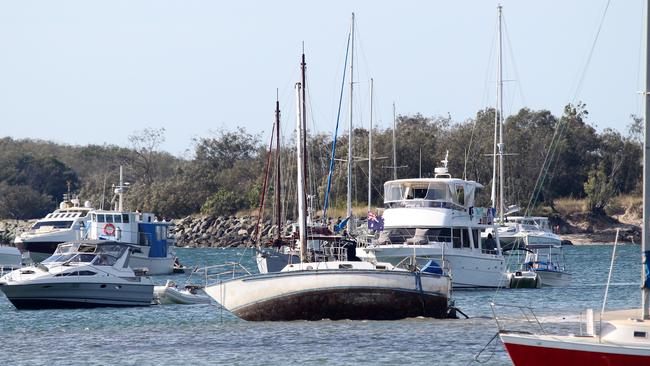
<point x="83" y="72"/>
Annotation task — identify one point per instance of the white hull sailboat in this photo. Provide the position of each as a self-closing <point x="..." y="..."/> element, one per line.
<point x="623" y="336"/>
<point x="337" y="289"/>
<point x="334" y="290"/>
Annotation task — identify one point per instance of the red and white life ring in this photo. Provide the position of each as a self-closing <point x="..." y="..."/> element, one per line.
<point x="109" y="229"/>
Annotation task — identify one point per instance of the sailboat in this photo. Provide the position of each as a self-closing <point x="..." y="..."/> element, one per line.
<point x="521" y="233"/>
<point x="623" y="338"/>
<point x="320" y="236"/>
<point x="333" y="289"/>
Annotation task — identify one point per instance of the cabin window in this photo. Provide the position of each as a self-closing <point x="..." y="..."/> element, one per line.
<point x="457" y="238"/>
<point x="417" y="192"/>
<point x="109" y="218"/>
<point x="393" y="192"/>
<point x="100" y="218"/>
<point x="460" y="194"/>
<point x="52" y="224"/>
<point x="465" y="238"/>
<point x="125" y="218"/>
<point x="638" y="334"/>
<point x="437" y="191"/>
<point x="475" y="236"/>
<point x="345" y="266"/>
<point x="117" y="218"/>
<point x="93" y="217"/>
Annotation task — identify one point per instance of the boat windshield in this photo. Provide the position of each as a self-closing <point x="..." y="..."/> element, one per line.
<point x="53" y="224"/>
<point x="71" y="258"/>
<point x="432" y="191"/>
<point x="105" y="254"/>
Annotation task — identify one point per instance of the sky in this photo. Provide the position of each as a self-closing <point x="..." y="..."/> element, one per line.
<point x="95" y="72"/>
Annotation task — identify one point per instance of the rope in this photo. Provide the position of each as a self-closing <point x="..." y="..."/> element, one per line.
<point x="492" y="353"/>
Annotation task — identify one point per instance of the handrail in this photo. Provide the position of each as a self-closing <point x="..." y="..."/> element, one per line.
<point x="218" y="272"/>
<point x="527" y="314"/>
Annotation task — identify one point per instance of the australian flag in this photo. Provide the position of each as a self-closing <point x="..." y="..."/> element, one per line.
<point x="374" y="222"/>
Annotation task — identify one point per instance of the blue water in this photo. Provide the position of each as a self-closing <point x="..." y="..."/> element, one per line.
<point x="204" y="334"/>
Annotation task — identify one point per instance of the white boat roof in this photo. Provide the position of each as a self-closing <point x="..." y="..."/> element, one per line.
<point x="432" y="180"/>
<point x="539" y="218"/>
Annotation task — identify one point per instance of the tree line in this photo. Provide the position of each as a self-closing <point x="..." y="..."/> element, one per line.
<point x="548" y="157"/>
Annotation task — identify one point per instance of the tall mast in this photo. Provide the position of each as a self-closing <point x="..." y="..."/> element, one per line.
<point x="499" y="117"/>
<point x="278" y="204"/>
<point x="302" y="219"/>
<point x="645" y="240"/>
<point x="394" y="145"/>
<point x="370" y="151"/>
<point x="349" y="198"/>
<point x="303" y="67"/>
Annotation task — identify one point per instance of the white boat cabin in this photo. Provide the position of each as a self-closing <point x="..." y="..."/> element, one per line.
<point x="530" y="222"/>
<point x="137" y="228"/>
<point x="452" y="194"/>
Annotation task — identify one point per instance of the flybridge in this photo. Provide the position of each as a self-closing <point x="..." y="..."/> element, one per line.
<point x="430" y="192"/>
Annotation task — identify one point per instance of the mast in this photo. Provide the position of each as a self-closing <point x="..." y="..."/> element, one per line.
<point x="278" y="204"/>
<point x="302" y="224"/>
<point x="498" y="133"/>
<point x="645" y="239"/>
<point x="349" y="198"/>
<point x="394" y="145"/>
<point x="370" y="150"/>
<point x="499" y="116"/>
<point x="303" y="67"/>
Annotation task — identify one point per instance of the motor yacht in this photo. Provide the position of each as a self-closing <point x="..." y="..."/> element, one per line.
<point x="435" y="218"/>
<point x="525" y="231"/>
<point x="79" y="274"/>
<point x="64" y="224"/>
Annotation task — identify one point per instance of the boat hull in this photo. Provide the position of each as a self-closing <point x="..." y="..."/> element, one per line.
<point x="154" y="266"/>
<point x="10" y="257"/>
<point x="534" y="350"/>
<point x="77" y="295"/>
<point x="334" y="294"/>
<point x="468" y="269"/>
<point x="554" y="278"/>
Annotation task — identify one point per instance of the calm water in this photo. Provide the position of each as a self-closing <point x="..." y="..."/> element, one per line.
<point x="203" y="334"/>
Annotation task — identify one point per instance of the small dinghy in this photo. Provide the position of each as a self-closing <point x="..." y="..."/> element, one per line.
<point x="171" y="294"/>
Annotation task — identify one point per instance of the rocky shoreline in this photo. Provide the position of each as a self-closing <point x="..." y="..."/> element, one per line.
<point x="221" y="231"/>
<point x="232" y="231"/>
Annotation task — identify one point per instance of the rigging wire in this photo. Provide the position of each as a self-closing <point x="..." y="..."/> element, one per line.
<point x="338" y="117"/>
<point x="552" y="154"/>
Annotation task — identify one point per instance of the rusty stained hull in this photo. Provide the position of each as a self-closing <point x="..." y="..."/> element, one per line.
<point x="334" y="294"/>
<point x="355" y="304"/>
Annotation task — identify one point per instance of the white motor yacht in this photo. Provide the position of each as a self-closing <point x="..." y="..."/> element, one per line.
<point x="62" y="225"/>
<point x="140" y="229"/>
<point x="82" y="274"/>
<point x="526" y="231"/>
<point x="435" y="218"/>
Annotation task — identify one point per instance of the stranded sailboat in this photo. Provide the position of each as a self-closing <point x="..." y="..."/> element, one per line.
<point x="335" y="289"/>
